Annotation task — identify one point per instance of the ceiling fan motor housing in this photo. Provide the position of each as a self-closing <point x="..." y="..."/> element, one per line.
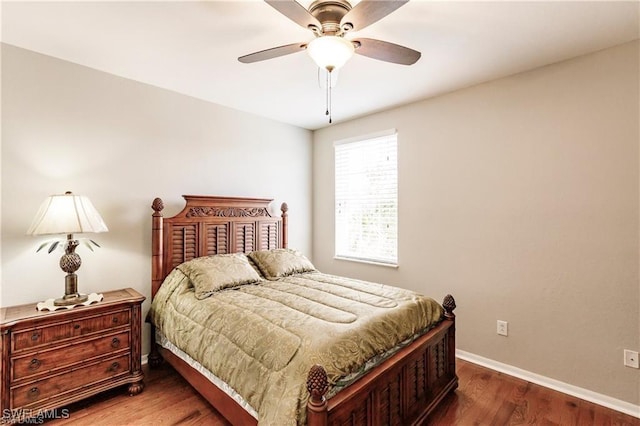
<point x="330" y="13"/>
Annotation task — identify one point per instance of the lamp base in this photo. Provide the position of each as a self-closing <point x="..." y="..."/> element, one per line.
<point x="71" y="295"/>
<point x="71" y="299"/>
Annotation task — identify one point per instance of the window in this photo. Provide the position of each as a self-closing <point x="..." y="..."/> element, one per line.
<point x="367" y="199"/>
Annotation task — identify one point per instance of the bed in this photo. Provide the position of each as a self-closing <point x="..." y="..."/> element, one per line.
<point x="400" y="386"/>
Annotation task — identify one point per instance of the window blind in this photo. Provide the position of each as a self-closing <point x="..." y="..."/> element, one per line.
<point x="366" y="200"/>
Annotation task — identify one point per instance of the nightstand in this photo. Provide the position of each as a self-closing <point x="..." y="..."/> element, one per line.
<point x="51" y="359"/>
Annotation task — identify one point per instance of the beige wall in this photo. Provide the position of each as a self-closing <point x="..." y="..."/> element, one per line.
<point x="122" y="143"/>
<point x="519" y="197"/>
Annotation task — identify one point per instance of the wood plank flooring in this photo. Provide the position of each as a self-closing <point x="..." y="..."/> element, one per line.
<point x="484" y="397"/>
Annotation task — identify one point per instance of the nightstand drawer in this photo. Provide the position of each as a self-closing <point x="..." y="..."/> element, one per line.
<point x="32" y="393"/>
<point x="41" y="362"/>
<point x="65" y="330"/>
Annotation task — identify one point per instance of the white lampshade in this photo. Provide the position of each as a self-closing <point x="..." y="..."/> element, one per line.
<point x="67" y="214"/>
<point x="330" y="52"/>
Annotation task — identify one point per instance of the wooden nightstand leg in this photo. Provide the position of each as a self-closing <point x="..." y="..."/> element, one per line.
<point x="136" y="388"/>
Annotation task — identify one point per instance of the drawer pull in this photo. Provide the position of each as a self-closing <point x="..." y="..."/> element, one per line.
<point x="34" y="364"/>
<point x="34" y="392"/>
<point x="35" y="336"/>
<point x="76" y="326"/>
<point x="114" y="367"/>
<point x="115" y="320"/>
<point x="115" y="342"/>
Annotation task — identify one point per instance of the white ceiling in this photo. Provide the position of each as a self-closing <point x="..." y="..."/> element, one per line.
<point x="192" y="48"/>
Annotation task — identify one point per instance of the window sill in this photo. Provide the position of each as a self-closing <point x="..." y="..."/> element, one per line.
<point x="368" y="262"/>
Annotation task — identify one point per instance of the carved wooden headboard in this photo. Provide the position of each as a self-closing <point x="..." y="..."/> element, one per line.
<point x="211" y="225"/>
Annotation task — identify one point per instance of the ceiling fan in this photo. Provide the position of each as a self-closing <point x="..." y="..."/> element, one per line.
<point x="330" y="21"/>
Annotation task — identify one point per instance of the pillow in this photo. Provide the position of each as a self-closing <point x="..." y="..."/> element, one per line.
<point x="278" y="263"/>
<point x="213" y="273"/>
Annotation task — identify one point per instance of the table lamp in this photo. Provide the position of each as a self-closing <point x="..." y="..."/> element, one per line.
<point x="68" y="214"/>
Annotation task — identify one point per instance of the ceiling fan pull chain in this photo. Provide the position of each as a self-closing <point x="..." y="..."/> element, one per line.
<point x="330" y="108"/>
<point x="329" y="94"/>
<point x="326" y="95"/>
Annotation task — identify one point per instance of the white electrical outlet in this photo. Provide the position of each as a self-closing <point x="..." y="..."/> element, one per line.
<point x="503" y="328"/>
<point x="631" y="359"/>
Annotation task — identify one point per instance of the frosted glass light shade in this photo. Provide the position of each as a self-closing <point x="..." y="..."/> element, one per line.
<point x="330" y="52"/>
<point x="67" y="214"/>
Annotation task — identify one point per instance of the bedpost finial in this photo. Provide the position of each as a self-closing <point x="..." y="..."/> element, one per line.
<point x="317" y="384"/>
<point x="284" y="208"/>
<point x="449" y="304"/>
<point x="157" y="205"/>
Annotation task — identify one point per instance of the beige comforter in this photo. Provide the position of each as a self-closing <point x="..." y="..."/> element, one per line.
<point x="263" y="338"/>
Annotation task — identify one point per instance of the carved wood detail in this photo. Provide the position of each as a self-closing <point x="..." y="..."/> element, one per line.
<point x="228" y="212"/>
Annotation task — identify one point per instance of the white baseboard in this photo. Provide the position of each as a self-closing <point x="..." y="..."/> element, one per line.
<point x="587" y="395"/>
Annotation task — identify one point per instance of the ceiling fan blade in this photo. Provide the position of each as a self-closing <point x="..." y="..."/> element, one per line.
<point x="385" y="51"/>
<point x="274" y="52"/>
<point x="367" y="12"/>
<point x="296" y="12"/>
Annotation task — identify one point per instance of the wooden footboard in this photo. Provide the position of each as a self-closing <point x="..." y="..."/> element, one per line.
<point x="403" y="390"/>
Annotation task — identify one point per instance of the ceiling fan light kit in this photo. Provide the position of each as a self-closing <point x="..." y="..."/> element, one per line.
<point x="329" y="21"/>
<point x="330" y="52"/>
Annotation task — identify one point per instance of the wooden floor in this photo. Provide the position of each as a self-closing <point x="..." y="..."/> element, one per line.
<point x="484" y="397"/>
